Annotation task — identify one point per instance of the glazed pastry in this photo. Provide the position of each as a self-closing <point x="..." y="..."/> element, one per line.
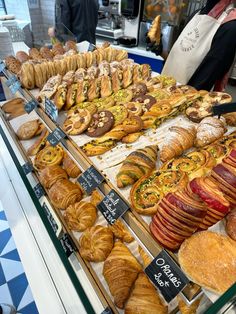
<point x="104" y="103"/>
<point x="146" y="100"/>
<point x="14" y="107"/>
<point x="70" y="167"/>
<point x="82" y="91"/>
<point x="119" y="113"/>
<point x="83" y="105"/>
<point x="154" y="32"/>
<point x="22" y="56"/>
<point x="46" y="53"/>
<point x="132" y="124"/>
<point x="131" y="138"/>
<point x="48" y="156"/>
<point x="179" y="215"/>
<point x="101" y="123"/>
<point x="94" y="89"/>
<point x="92" y="72"/>
<point x="50" y="175"/>
<point x="77" y="121"/>
<point x="138" y="89"/>
<point x="38" y="144"/>
<point x="50" y="88"/>
<point x="123" y="96"/>
<point x="134" y="108"/>
<point x="121" y="55"/>
<point x="147" y="191"/>
<point x="127" y="76"/>
<point x="80" y="75"/>
<point x="199" y="258"/>
<point x="184" y="308"/>
<point x="104" y="68"/>
<point x="181" y="140"/>
<point x="80" y="216"/>
<point x="217" y="151"/>
<point x="120" y="232"/>
<point x="106" y="87"/>
<point x="120" y="271"/>
<point x="26" y="75"/>
<point x="116" y="80"/>
<point x="96" y="198"/>
<point x="64" y="193"/>
<point x="28" y="130"/>
<point x="146" y="71"/>
<point x="13" y="64"/>
<point x="70" y="44"/>
<point x="137" y="73"/>
<point x="71" y="96"/>
<point x="209" y="130"/>
<point x="34" y="54"/>
<point x="144" y="298"/>
<point x="68" y="78"/>
<point x="96" y="243"/>
<point x="58" y="49"/>
<point x="60" y="97"/>
<point x="136" y="165"/>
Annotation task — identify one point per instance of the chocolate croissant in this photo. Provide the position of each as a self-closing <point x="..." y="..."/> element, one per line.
<point x="136" y="165"/>
<point x="120" y="271"/>
<point x="70" y="167"/>
<point x="50" y="175"/>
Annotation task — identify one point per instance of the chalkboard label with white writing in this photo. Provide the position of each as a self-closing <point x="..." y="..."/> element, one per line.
<point x="27" y="167"/>
<point x="51" y="109"/>
<point x="2" y="66"/>
<point x="107" y="311"/>
<point x="166" y="275"/>
<point x="39" y="191"/>
<point x="15" y="87"/>
<point x="11" y="80"/>
<point x="30" y="106"/>
<point x="112" y="207"/>
<point x="50" y="218"/>
<point x="56" y="136"/>
<point x="90" y="179"/>
<point x="67" y="244"/>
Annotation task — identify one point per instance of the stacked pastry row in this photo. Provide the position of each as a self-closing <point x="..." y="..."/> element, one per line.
<point x="35" y="73"/>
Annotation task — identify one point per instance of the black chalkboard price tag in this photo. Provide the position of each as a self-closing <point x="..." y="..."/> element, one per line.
<point x="112" y="207"/>
<point x="2" y="66"/>
<point x="11" y="80"/>
<point x="27" y="167"/>
<point x="30" y="106"/>
<point x="56" y="136"/>
<point x="107" y="311"/>
<point x="67" y="244"/>
<point x="50" y="218"/>
<point x="39" y="191"/>
<point x="90" y="179"/>
<point x="166" y="275"/>
<point x="51" y="109"/>
<point x="15" y="87"/>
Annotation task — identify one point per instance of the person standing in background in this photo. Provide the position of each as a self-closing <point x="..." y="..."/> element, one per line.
<point x="79" y="16"/>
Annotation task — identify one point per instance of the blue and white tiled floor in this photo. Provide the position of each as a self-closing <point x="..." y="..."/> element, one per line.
<point x="14" y="287"/>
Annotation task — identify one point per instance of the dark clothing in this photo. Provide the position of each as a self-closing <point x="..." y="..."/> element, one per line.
<point x="219" y="58"/>
<point x="79" y="16"/>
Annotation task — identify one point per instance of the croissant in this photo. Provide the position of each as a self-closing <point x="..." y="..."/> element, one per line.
<point x="188" y="309"/>
<point x="120" y="232"/>
<point x="70" y="167"/>
<point x="96" y="243"/>
<point x="144" y="298"/>
<point x="50" y="175"/>
<point x="64" y="193"/>
<point x="144" y="256"/>
<point x="136" y="165"/>
<point x="181" y="140"/>
<point x="96" y="198"/>
<point x="120" y="271"/>
<point x="80" y="216"/>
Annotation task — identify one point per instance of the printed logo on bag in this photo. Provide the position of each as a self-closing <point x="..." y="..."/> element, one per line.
<point x="90" y="179"/>
<point x="112" y="207"/>
<point x="166" y="275"/>
<point x="188" y="42"/>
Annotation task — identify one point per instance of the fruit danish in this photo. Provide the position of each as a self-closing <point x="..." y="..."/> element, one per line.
<point x="48" y="156"/>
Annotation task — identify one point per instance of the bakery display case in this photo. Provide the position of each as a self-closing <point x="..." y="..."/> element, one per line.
<point x="118" y="182"/>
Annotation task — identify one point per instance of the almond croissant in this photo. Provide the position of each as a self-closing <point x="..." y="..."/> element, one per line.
<point x="120" y="271"/>
<point x="181" y="140"/>
<point x="136" y="165"/>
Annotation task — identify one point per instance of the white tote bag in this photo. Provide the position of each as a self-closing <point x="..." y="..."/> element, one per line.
<point x="191" y="47"/>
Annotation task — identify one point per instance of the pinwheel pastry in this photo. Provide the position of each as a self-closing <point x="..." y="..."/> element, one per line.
<point x="96" y="243"/>
<point x="77" y="121"/>
<point x="120" y="232"/>
<point x="148" y="190"/>
<point x="210" y="194"/>
<point x="209" y="130"/>
<point x="80" y="216"/>
<point x="50" y="175"/>
<point x="48" y="156"/>
<point x="120" y="271"/>
<point x="181" y="140"/>
<point x="64" y="193"/>
<point x="137" y="164"/>
<point x="123" y="96"/>
<point x="218" y="151"/>
<point x="105" y="142"/>
<point x="208" y="259"/>
<point x="179" y="215"/>
<point x="70" y="167"/>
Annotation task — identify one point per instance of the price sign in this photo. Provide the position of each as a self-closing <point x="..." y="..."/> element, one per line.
<point x="27" y="167"/>
<point x="2" y="66"/>
<point x="11" y="80"/>
<point x="107" y="311"/>
<point x="30" y="106"/>
<point x="67" y="244"/>
<point x="50" y="218"/>
<point x="112" y="207"/>
<point x="90" y="179"/>
<point x="15" y="87"/>
<point x="56" y="136"/>
<point x="51" y="109"/>
<point x="91" y="47"/>
<point x="166" y="275"/>
<point x="39" y="191"/>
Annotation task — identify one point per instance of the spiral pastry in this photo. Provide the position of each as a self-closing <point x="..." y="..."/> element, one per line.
<point x="171" y="180"/>
<point x="48" y="156"/>
<point x="218" y="151"/>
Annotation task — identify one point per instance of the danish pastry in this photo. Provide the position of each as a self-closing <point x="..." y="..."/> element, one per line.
<point x="48" y="156"/>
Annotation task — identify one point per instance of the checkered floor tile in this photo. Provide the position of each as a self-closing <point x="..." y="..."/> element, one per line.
<point x="14" y="287"/>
